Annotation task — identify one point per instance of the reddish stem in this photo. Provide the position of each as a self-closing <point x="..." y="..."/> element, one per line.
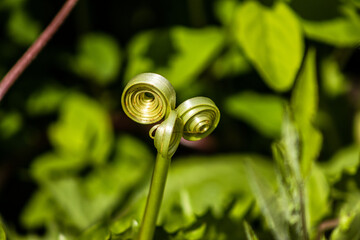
<point x="327" y="225"/>
<point x="35" y="48"/>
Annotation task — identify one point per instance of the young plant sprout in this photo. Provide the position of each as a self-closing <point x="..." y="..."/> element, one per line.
<point x="149" y="98"/>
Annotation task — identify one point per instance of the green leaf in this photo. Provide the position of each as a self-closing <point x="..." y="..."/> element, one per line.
<point x="39" y="211"/>
<point x="253" y="108"/>
<point x="342" y="31"/>
<point x="272" y="39"/>
<point x="2" y="233"/>
<point x="93" y="196"/>
<point x="349" y="222"/>
<point x="46" y="100"/>
<point x="179" y="54"/>
<point x="333" y="80"/>
<point x="83" y="131"/>
<point x="268" y="202"/>
<point x="225" y="10"/>
<point x="290" y="180"/>
<point x="98" y="58"/>
<point x="230" y="64"/>
<point x="346" y="160"/>
<point x="196" y="185"/>
<point x="96" y="232"/>
<point x="22" y="28"/>
<point x="250" y="235"/>
<point x="304" y="99"/>
<point x="304" y="102"/>
<point x="10" y="124"/>
<point x="318" y="193"/>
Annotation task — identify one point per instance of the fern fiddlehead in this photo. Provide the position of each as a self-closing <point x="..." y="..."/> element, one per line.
<point x="148" y="98"/>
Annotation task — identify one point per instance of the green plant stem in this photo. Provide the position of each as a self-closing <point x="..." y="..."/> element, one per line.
<point x="155" y="196"/>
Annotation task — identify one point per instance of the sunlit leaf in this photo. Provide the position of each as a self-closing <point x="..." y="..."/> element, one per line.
<point x="179" y="54"/>
<point x="304" y="102"/>
<point x="22" y="28"/>
<point x="346" y="160"/>
<point x="253" y="108"/>
<point x="318" y="191"/>
<point x="268" y="36"/>
<point x="304" y="99"/>
<point x="196" y="185"/>
<point x="84" y="129"/>
<point x="343" y="31"/>
<point x="98" y="58"/>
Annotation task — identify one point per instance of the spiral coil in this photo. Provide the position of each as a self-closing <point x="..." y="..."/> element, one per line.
<point x="200" y="117"/>
<point x="148" y="98"/>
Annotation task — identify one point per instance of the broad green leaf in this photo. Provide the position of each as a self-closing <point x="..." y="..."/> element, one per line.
<point x="250" y="235"/>
<point x="67" y="193"/>
<point x="304" y="103"/>
<point x="272" y="39"/>
<point x="46" y="100"/>
<point x="179" y="54"/>
<point x="83" y="131"/>
<point x="196" y="185"/>
<point x="22" y="28"/>
<point x="349" y="221"/>
<point x="98" y="58"/>
<point x="86" y="200"/>
<point x="317" y="202"/>
<point x="253" y="108"/>
<point x="342" y="32"/>
<point x="346" y="160"/>
<point x="268" y="202"/>
<point x="333" y="80"/>
<point x="10" y="124"/>
<point x="2" y="233"/>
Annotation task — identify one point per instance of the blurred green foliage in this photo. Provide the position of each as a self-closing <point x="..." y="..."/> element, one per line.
<point x="283" y="160"/>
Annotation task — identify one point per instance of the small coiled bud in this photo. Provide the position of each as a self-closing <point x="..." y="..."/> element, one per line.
<point x="200" y="117"/>
<point x="148" y="98"/>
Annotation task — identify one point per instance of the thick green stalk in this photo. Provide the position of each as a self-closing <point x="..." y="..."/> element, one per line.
<point x="154" y="198"/>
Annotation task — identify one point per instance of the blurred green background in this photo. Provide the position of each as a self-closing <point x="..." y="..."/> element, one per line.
<point x="74" y="166"/>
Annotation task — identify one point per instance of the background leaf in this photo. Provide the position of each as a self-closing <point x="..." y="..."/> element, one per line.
<point x="253" y="107"/>
<point x="267" y="35"/>
<point x="98" y="58"/>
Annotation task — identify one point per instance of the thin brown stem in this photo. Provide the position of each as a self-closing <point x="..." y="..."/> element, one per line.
<point x="326" y="225"/>
<point x="35" y="48"/>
